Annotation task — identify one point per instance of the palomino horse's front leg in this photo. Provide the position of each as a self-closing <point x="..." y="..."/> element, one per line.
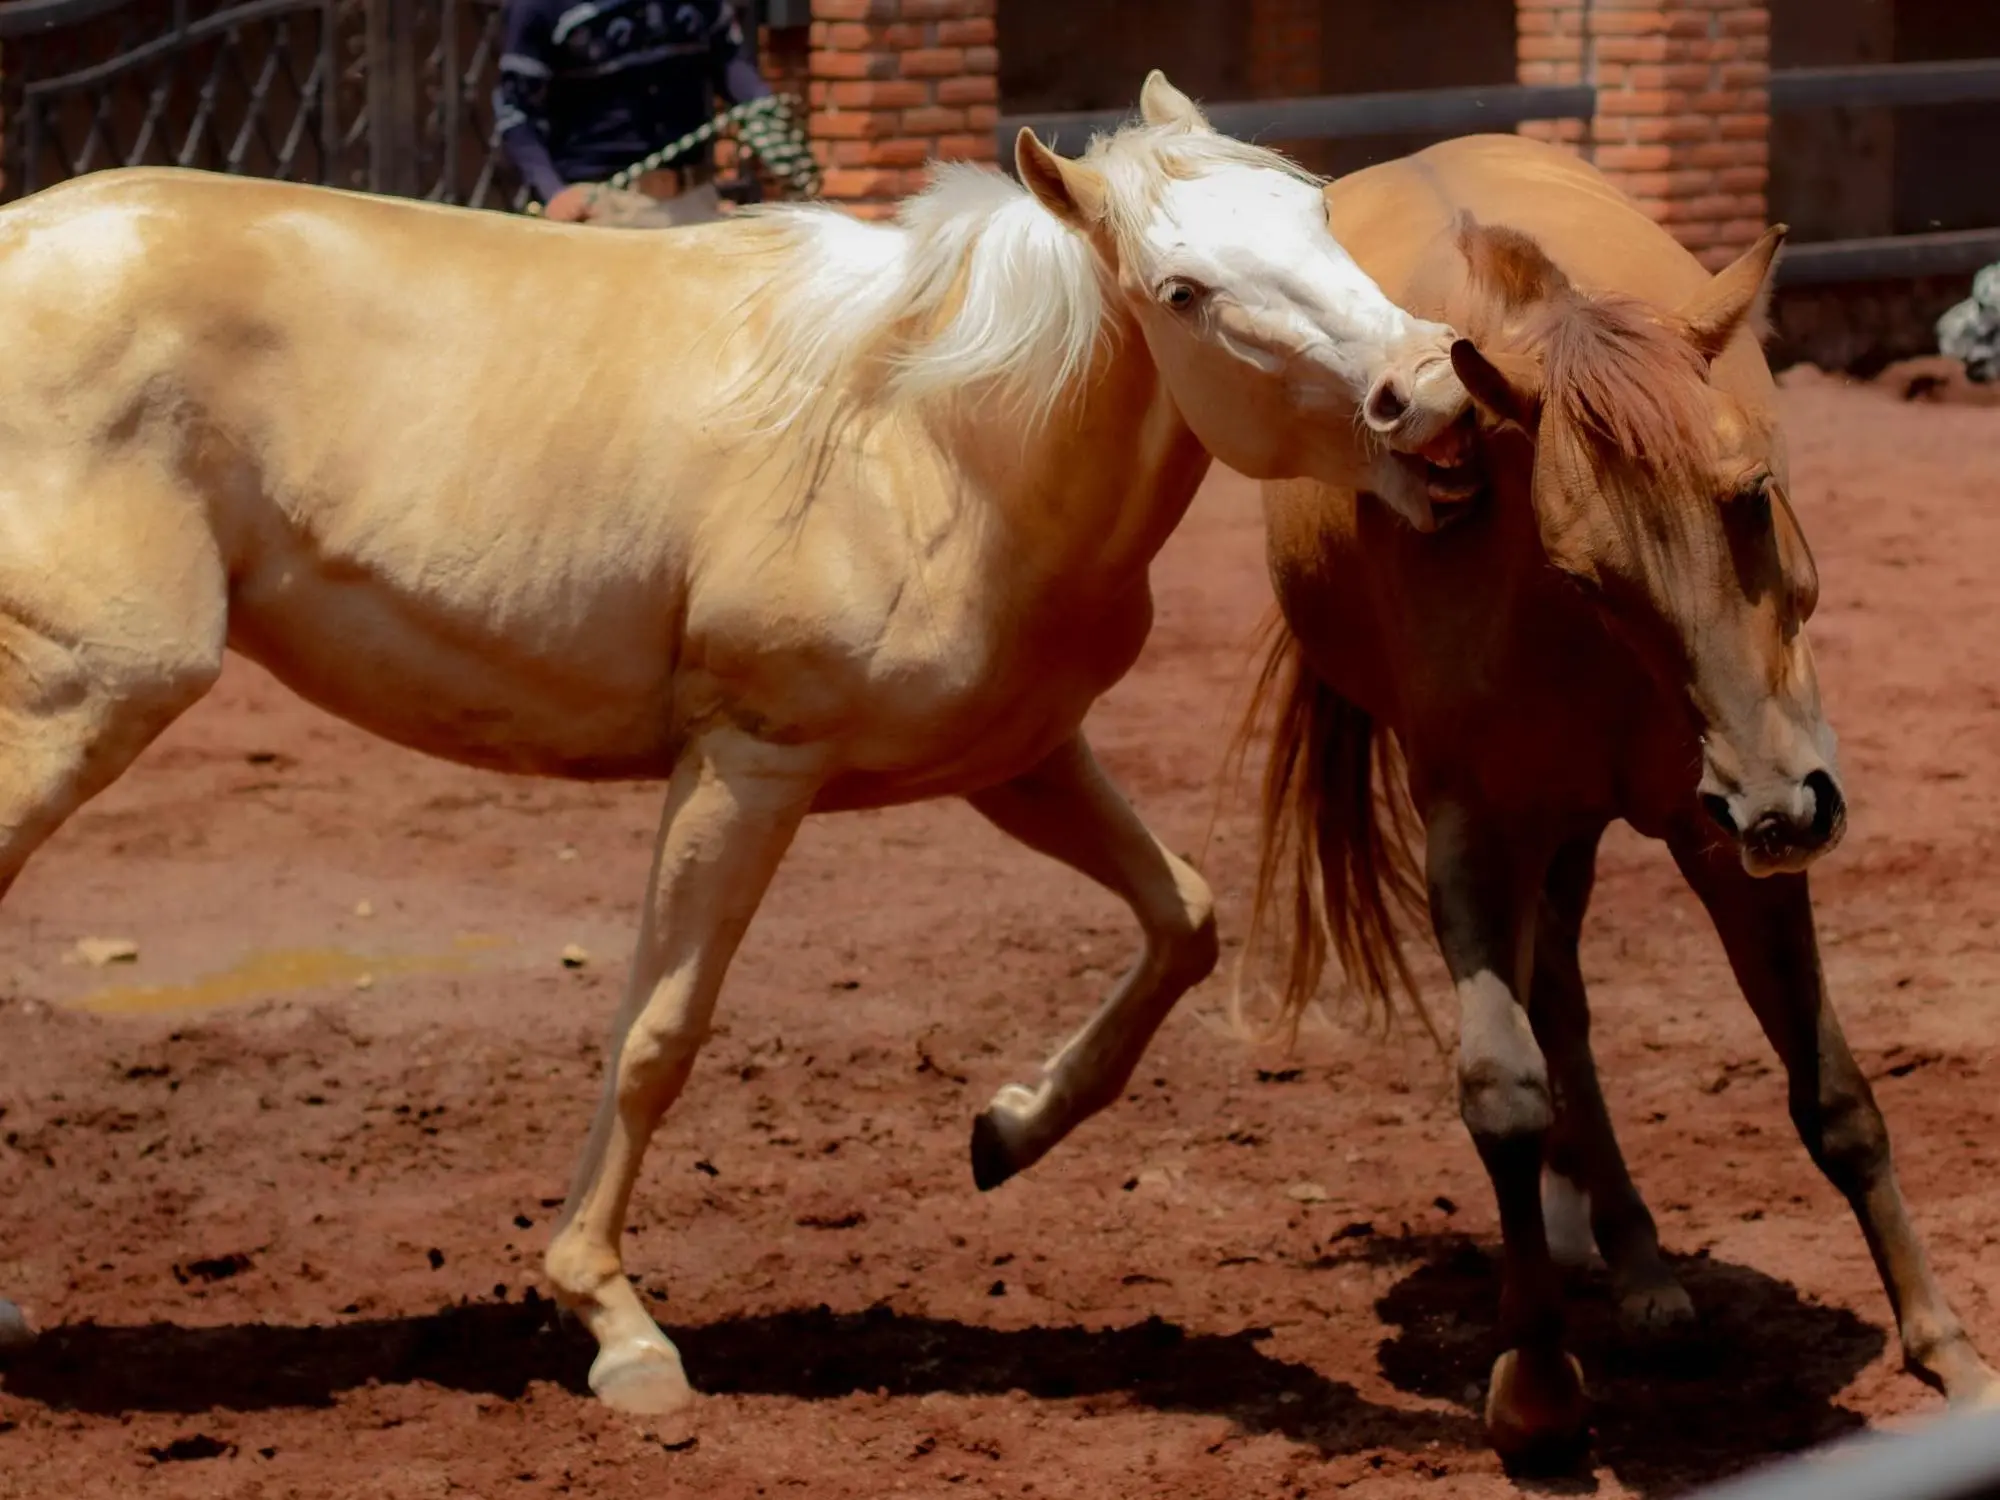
<point x="1585" y="1166"/>
<point x="1068" y="809"/>
<point x="733" y="805"/>
<point x="1484" y="894"/>
<point x="1766" y="927"/>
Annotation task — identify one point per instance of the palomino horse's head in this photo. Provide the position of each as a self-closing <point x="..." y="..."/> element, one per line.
<point x="1282" y="355"/>
<point x="1663" y="495"/>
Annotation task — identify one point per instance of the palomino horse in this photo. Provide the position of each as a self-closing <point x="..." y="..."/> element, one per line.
<point x="1615" y="629"/>
<point x="794" y="512"/>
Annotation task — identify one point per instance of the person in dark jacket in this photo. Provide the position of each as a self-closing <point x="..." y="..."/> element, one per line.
<point x="589" y="87"/>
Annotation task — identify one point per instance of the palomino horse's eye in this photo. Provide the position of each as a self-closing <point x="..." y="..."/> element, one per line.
<point x="1179" y="294"/>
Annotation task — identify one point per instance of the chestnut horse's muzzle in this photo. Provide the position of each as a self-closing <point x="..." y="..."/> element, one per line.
<point x="1782" y="828"/>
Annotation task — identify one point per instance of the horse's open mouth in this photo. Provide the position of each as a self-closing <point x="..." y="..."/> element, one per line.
<point x="1453" y="490"/>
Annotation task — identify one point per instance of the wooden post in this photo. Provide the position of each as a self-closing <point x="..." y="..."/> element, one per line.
<point x="393" y="126"/>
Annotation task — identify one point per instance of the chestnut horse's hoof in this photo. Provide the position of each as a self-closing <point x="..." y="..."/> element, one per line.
<point x="1538" y="1416"/>
<point x="1655" y="1311"/>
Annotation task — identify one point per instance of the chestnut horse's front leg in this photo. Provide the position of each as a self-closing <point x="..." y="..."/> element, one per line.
<point x="1485" y="889"/>
<point x="1583" y="1149"/>
<point x="1766" y="926"/>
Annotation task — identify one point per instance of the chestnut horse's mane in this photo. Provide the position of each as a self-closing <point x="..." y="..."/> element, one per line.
<point x="1615" y="371"/>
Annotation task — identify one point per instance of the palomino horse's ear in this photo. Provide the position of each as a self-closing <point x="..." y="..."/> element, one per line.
<point x="1160" y="103"/>
<point x="1734" y="296"/>
<point x="1068" y="189"/>
<point x="1509" y="386"/>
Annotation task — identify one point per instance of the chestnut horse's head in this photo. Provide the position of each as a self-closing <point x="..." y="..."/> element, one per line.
<point x="1663" y="495"/>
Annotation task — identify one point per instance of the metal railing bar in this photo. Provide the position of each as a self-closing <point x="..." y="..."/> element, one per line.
<point x="1888" y="257"/>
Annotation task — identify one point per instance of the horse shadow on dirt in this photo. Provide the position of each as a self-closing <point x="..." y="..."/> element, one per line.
<point x="1758" y="1377"/>
<point x="501" y="1348"/>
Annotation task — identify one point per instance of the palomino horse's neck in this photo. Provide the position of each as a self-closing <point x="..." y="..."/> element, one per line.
<point x="1090" y="494"/>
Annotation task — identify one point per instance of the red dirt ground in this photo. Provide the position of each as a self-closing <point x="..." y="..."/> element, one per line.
<point x="288" y="1246"/>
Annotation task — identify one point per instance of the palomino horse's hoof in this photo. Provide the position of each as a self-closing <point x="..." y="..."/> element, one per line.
<point x="1538" y="1423"/>
<point x="992" y="1162"/>
<point x="643" y="1379"/>
<point x="1650" y="1311"/>
<point x="14" y="1330"/>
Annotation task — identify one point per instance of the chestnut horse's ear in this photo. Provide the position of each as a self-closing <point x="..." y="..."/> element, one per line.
<point x="1160" y="103"/>
<point x="1735" y="295"/>
<point x="1509" y="386"/>
<point x="1068" y="189"/>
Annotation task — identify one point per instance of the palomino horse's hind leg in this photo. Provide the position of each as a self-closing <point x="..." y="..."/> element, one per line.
<point x="1585" y="1166"/>
<point x="1068" y="809"/>
<point x="1766" y="927"/>
<point x="1484" y="895"/>
<point x="112" y="622"/>
<point x="733" y="805"/>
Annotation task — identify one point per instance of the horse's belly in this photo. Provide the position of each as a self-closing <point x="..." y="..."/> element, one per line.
<point x="489" y="701"/>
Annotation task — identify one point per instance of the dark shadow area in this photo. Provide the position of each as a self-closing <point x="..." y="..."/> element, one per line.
<point x="1756" y="1377"/>
<point x="500" y="1348"/>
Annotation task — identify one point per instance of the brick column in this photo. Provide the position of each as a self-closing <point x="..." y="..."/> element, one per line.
<point x="896" y="83"/>
<point x="1683" y="106"/>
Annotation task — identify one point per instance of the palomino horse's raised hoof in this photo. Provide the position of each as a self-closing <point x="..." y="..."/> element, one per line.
<point x="14" y="1330"/>
<point x="1538" y="1422"/>
<point x="992" y="1161"/>
<point x="644" y="1379"/>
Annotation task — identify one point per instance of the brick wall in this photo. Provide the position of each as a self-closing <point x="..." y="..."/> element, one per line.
<point x="1286" y="42"/>
<point x="1683" y="106"/>
<point x="894" y="84"/>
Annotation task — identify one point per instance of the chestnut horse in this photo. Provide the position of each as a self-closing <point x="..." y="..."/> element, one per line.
<point x="1613" y="629"/>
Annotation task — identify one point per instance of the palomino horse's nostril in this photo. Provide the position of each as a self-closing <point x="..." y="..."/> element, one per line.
<point x="1387" y="404"/>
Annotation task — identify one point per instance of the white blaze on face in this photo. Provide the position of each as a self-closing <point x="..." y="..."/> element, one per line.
<point x="1282" y="294"/>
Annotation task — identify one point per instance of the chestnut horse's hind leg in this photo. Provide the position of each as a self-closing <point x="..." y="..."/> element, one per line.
<point x="1068" y="809"/>
<point x="1484" y="896"/>
<point x="733" y="806"/>
<point x="1766" y="927"/>
<point x="1584" y="1159"/>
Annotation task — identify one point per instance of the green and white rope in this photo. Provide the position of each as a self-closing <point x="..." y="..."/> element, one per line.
<point x="767" y="128"/>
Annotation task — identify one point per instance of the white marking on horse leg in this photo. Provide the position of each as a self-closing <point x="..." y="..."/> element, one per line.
<point x="1068" y="809"/>
<point x="1566" y="1218"/>
<point x="733" y="805"/>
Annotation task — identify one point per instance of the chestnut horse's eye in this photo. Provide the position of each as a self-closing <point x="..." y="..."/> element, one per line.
<point x="1179" y="293"/>
<point x="1753" y="501"/>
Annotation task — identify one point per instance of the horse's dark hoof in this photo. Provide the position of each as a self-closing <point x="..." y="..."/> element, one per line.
<point x="1538" y="1421"/>
<point x="992" y="1164"/>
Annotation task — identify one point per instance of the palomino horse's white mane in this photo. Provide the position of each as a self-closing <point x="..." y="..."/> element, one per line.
<point x="975" y="287"/>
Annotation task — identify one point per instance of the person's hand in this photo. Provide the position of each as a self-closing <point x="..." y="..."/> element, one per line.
<point x="571" y="205"/>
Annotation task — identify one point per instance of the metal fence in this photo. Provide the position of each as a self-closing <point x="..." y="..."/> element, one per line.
<point x="1503" y="106"/>
<point x="386" y="95"/>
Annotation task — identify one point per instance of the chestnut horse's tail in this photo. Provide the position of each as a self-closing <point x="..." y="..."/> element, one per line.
<point x="1337" y="871"/>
